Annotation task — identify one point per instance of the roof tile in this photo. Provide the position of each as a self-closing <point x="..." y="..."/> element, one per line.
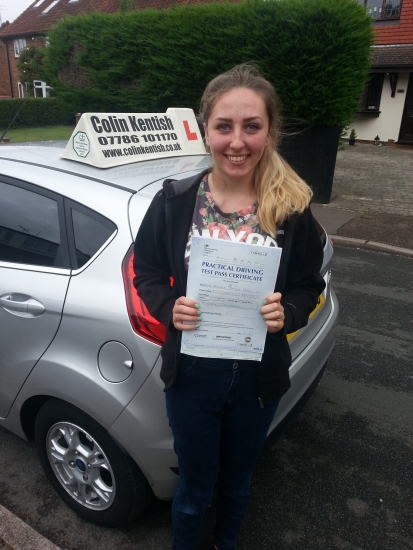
<point x="400" y="55"/>
<point x="34" y="21"/>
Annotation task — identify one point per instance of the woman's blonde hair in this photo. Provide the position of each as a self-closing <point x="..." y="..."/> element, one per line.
<point x="280" y="190"/>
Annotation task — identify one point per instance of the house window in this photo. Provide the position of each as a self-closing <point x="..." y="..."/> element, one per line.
<point x="19" y="45"/>
<point x="382" y="9"/>
<point x="20" y="88"/>
<point x="40" y="89"/>
<point x="370" y="100"/>
<point x="38" y="3"/>
<point x="50" y="6"/>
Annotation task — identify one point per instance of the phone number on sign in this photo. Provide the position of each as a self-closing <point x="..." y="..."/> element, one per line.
<point x="147" y="138"/>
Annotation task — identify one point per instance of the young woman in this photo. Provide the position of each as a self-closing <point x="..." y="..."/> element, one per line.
<point x="220" y="410"/>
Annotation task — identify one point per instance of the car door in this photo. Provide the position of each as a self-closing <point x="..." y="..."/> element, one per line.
<point x="34" y="277"/>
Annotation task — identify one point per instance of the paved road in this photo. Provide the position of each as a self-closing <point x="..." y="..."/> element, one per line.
<point x="342" y="476"/>
<point x="374" y="179"/>
<point x="372" y="197"/>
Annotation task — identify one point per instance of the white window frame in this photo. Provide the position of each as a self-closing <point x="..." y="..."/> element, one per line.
<point x="19" y="46"/>
<point x="21" y="89"/>
<point x="50" y="6"/>
<point x="40" y="89"/>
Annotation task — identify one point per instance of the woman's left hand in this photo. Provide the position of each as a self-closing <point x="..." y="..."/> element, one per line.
<point x="273" y="312"/>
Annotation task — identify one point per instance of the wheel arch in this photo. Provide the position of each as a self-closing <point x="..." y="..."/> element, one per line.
<point x="31" y="408"/>
<point x="29" y="411"/>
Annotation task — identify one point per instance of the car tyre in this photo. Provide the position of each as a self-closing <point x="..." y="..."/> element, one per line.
<point x="87" y="468"/>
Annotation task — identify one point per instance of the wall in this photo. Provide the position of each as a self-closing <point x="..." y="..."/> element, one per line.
<point x="4" y="73"/>
<point x="398" y="31"/>
<point x="13" y="67"/>
<point x="387" y="125"/>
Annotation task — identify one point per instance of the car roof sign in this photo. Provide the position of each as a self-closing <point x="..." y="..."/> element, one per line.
<point x="111" y="139"/>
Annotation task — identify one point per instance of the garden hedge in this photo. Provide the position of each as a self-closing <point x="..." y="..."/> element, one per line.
<point x="36" y="112"/>
<point x="315" y="52"/>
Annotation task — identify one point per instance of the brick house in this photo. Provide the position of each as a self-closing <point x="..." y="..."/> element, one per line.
<point x="386" y="107"/>
<point x="31" y="28"/>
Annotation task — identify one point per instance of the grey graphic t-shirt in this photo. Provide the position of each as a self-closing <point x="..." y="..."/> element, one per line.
<point x="208" y="220"/>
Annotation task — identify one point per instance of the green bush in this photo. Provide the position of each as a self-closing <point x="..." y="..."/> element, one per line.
<point x="315" y="52"/>
<point x="36" y="112"/>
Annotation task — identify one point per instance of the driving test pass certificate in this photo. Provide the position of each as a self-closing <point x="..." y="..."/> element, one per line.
<point x="229" y="281"/>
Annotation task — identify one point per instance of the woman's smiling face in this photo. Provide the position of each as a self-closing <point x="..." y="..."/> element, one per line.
<point x="237" y="132"/>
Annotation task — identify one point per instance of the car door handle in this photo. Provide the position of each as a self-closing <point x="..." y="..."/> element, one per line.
<point x="22" y="306"/>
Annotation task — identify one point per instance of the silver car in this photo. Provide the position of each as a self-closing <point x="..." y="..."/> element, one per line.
<point x="79" y="353"/>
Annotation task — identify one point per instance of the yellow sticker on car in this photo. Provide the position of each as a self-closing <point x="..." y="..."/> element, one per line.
<point x="317" y="307"/>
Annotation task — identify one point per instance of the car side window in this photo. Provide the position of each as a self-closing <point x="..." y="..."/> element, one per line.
<point x="29" y="227"/>
<point x="91" y="231"/>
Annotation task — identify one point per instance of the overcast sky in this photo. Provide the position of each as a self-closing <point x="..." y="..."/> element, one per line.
<point x="10" y="9"/>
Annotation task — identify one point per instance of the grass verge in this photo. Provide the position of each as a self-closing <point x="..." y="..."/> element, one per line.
<point x="19" y="135"/>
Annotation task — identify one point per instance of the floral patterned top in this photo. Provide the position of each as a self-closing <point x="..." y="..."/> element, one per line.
<point x="209" y="220"/>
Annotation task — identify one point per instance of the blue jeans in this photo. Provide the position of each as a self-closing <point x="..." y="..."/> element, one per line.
<point x="219" y="429"/>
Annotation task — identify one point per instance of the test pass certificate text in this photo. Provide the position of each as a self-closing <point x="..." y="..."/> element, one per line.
<point x="229" y="281"/>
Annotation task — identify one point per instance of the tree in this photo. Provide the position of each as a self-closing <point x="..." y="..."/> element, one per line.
<point x="316" y="53"/>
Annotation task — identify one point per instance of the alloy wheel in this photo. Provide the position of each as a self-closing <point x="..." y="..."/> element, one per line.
<point x="81" y="466"/>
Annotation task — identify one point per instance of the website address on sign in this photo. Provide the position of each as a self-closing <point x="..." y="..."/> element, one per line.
<point x="140" y="150"/>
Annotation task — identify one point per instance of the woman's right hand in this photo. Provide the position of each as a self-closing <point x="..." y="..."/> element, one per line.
<point x="185" y="310"/>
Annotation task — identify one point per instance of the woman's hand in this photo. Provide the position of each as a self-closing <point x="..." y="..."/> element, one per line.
<point x="273" y="312"/>
<point x="185" y="310"/>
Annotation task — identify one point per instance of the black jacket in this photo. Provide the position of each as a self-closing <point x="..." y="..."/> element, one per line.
<point x="159" y="254"/>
